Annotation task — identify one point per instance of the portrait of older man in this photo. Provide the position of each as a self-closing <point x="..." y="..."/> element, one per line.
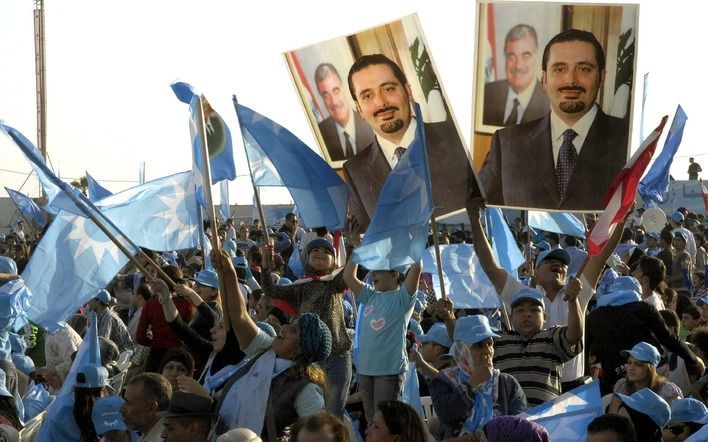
<point x="519" y="97"/>
<point x="567" y="159"/>
<point x="344" y="132"/>
<point x="383" y="98"/>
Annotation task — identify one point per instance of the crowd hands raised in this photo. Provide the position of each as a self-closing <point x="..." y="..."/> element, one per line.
<point x="237" y="347"/>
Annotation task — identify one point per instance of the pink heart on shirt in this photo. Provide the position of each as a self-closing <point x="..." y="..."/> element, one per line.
<point x="378" y="324"/>
<point x="368" y="310"/>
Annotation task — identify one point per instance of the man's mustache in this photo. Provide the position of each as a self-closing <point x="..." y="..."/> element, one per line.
<point x="572" y="89"/>
<point x="522" y="71"/>
<point x="385" y="109"/>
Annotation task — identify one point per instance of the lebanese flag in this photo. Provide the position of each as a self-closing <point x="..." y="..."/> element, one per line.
<point x="704" y="191"/>
<point x="620" y="196"/>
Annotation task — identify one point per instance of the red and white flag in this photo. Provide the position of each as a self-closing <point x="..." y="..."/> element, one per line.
<point x="705" y="195"/>
<point x="622" y="191"/>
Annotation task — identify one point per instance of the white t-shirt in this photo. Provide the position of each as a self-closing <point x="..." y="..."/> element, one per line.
<point x="656" y="301"/>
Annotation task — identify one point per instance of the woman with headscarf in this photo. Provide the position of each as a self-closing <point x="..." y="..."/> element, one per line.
<point x="469" y="395"/>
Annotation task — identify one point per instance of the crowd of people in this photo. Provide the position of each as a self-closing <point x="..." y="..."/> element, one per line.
<point x="237" y="346"/>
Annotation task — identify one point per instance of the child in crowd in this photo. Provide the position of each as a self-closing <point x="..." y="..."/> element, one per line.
<point x="388" y="306"/>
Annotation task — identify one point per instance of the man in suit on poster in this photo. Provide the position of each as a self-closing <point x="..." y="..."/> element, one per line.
<point x="519" y="97"/>
<point x="383" y="98"/>
<point x="567" y="159"/>
<point x="344" y="132"/>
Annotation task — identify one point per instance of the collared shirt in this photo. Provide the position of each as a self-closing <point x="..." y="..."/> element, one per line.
<point x="581" y="127"/>
<point x="350" y="129"/>
<point x="524" y="98"/>
<point x="389" y="148"/>
<point x="655" y="300"/>
<point x="112" y="327"/>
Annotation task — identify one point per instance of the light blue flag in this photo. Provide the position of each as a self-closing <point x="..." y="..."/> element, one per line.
<point x="54" y="188"/>
<point x="95" y="190"/>
<point x="160" y="215"/>
<point x="71" y="263"/>
<point x="295" y="262"/>
<point x="504" y="246"/>
<point x="558" y="222"/>
<point x="224" y="207"/>
<point x="567" y="417"/>
<point x="398" y="232"/>
<point x="466" y="284"/>
<point x="89" y="352"/>
<point x="27" y="207"/>
<point x="411" y="390"/>
<point x="14" y="303"/>
<point x="656" y="181"/>
<point x="279" y="158"/>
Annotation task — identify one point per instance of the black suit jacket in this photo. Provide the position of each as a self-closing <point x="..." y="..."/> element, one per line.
<point x="519" y="169"/>
<point x="450" y="174"/>
<point x="328" y="128"/>
<point x="495" y="95"/>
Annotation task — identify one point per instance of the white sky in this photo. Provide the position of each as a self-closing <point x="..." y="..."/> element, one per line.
<point x="110" y="64"/>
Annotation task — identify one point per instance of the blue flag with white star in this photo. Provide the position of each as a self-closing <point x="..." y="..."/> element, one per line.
<point x="95" y="190"/>
<point x="398" y="231"/>
<point x="279" y="158"/>
<point x="221" y="151"/>
<point x="27" y="207"/>
<point x="567" y="417"/>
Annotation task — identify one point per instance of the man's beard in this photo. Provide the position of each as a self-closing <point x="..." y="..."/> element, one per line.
<point x="571" y="107"/>
<point x="390" y="127"/>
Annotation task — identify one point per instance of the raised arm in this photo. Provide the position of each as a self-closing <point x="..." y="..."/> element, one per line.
<point x="482" y="248"/>
<point x="350" y="279"/>
<point x="243" y="326"/>
<point x="288" y="293"/>
<point x="595" y="264"/>
<point x="576" y="318"/>
<point x="165" y="297"/>
<point x="412" y="278"/>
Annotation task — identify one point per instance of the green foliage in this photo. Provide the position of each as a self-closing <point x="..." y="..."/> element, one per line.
<point x="424" y="69"/>
<point x="625" y="60"/>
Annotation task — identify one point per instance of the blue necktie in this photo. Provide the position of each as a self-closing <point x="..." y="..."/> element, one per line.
<point x="567" y="157"/>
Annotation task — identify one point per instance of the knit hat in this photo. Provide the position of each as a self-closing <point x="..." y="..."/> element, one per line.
<point x="319" y="242"/>
<point x="315" y="338"/>
<point x="515" y="429"/>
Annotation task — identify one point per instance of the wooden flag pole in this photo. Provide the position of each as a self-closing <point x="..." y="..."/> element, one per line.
<point x="209" y="202"/>
<point x="438" y="258"/>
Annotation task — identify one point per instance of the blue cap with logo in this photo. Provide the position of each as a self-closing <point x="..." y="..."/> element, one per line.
<point x="207" y="277"/>
<point x="527" y="294"/>
<point x="648" y="403"/>
<point x="473" y="329"/>
<point x="559" y="254"/>
<point x="106" y="415"/>
<point x="437" y="334"/>
<point x="643" y="352"/>
<point x="688" y="410"/>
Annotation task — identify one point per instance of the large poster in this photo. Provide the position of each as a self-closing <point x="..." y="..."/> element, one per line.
<point x="553" y="104"/>
<point x="358" y="92"/>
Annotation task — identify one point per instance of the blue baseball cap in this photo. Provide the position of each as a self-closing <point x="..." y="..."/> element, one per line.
<point x="559" y="254"/>
<point x="643" y="352"/>
<point x="437" y="334"/>
<point x="92" y="376"/>
<point x="543" y="245"/>
<point x="240" y="262"/>
<point x="688" y="410"/>
<point x="648" y="403"/>
<point x="419" y="306"/>
<point x="3" y="384"/>
<point x="207" y="277"/>
<point x="106" y="415"/>
<point x="681" y="234"/>
<point x="473" y="329"/>
<point x="653" y="235"/>
<point x="677" y="217"/>
<point x="527" y="294"/>
<point x="8" y="265"/>
<point x="284" y="281"/>
<point x="104" y="297"/>
<point x="626" y="284"/>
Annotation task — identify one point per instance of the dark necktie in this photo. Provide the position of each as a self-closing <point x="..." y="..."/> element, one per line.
<point x="567" y="157"/>
<point x="348" y="149"/>
<point x="398" y="153"/>
<point x="514" y="115"/>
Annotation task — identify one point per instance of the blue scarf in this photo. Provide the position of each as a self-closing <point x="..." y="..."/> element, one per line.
<point x="484" y="398"/>
<point x="614" y="299"/>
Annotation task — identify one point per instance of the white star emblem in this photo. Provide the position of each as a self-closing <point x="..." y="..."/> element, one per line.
<point x="172" y="201"/>
<point x="86" y="242"/>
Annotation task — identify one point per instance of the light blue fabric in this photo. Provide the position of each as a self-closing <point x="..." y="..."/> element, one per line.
<point x="411" y="390"/>
<point x="279" y="158"/>
<point x="27" y="206"/>
<point x="415" y="327"/>
<point x="615" y="299"/>
<point x="96" y="191"/>
<point x="558" y="222"/>
<point x="382" y="338"/>
<point x="398" y="232"/>
<point x="656" y="182"/>
<point x="504" y="246"/>
<point x="484" y="398"/>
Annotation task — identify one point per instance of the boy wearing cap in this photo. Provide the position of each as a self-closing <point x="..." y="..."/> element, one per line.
<point x="550" y="279"/>
<point x="676" y="220"/>
<point x="682" y="259"/>
<point x="110" y="326"/>
<point x="652" y="248"/>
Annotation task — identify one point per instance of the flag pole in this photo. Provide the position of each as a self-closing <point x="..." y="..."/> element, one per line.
<point x="208" y="200"/>
<point x="438" y="258"/>
<point x="256" y="194"/>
